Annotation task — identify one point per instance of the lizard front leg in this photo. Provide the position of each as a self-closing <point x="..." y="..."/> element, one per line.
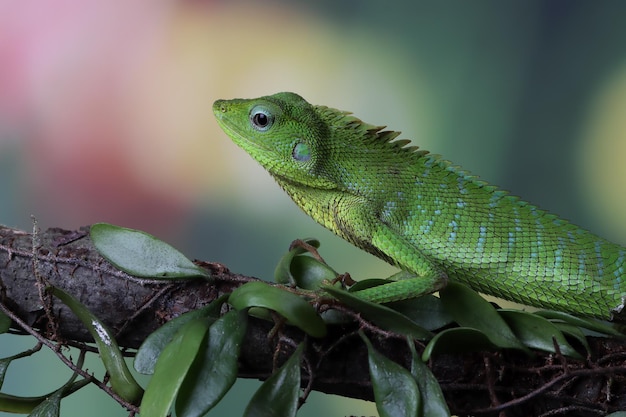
<point x="419" y="276"/>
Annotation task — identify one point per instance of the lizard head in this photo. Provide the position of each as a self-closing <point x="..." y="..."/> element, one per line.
<point x="282" y="132"/>
<point x="303" y="145"/>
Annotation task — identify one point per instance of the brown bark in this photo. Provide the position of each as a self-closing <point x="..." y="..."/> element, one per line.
<point x="135" y="307"/>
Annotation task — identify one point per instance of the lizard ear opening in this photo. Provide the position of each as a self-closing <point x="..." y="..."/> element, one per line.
<point x="261" y="118"/>
<point x="301" y="152"/>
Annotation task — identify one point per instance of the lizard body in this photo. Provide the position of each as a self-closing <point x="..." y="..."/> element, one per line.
<point x="423" y="214"/>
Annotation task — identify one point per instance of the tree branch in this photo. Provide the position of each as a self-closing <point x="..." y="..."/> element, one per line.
<point x="483" y="383"/>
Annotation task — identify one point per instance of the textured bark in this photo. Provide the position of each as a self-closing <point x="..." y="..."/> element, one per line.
<point x="134" y="308"/>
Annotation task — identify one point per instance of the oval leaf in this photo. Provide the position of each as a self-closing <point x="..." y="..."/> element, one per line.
<point x="537" y="333"/>
<point x="278" y="395"/>
<point x="151" y="348"/>
<point x="395" y="391"/>
<point x="427" y="311"/>
<point x="48" y="405"/>
<point x="24" y="405"/>
<point x="51" y="407"/>
<point x="282" y="273"/>
<point x="309" y="273"/>
<point x="575" y="333"/>
<point x="432" y="397"/>
<point x="172" y="367"/>
<point x="368" y="283"/>
<point x="296" y="310"/>
<point x="121" y="379"/>
<point x="471" y="310"/>
<point x="21" y="405"/>
<point x="215" y="369"/>
<point x="4" y="365"/>
<point x="585" y="323"/>
<point x="457" y="340"/>
<point x="382" y="316"/>
<point x="141" y="254"/>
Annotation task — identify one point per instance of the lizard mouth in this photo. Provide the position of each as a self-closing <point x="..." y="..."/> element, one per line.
<point x="221" y="112"/>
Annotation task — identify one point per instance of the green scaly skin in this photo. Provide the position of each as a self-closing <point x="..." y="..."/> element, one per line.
<point x="422" y="214"/>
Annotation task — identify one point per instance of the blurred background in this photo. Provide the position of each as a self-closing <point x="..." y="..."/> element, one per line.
<point x="105" y="115"/>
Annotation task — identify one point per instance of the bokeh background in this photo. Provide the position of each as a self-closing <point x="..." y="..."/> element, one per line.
<point x="105" y="115"/>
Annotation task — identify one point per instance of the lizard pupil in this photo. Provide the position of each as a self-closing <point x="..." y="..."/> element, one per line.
<point x="261" y="119"/>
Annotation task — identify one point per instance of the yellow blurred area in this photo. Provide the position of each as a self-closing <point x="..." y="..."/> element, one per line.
<point x="603" y="157"/>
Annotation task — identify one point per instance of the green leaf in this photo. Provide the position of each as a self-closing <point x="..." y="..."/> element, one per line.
<point x="21" y="405"/>
<point x="536" y="332"/>
<point x="215" y="369"/>
<point x="471" y="310"/>
<point x="4" y="365"/>
<point x="172" y="368"/>
<point x="282" y="273"/>
<point x="368" y="283"/>
<point x="382" y="316"/>
<point x="5" y="323"/>
<point x="51" y="407"/>
<point x="457" y="340"/>
<point x="434" y="403"/>
<point x="574" y="332"/>
<point x="427" y="311"/>
<point x="585" y="323"/>
<point x="296" y="310"/>
<point x="617" y="414"/>
<point x="375" y="282"/>
<point x="46" y="403"/>
<point x="395" y="391"/>
<point x="153" y="345"/>
<point x="141" y="254"/>
<point x="309" y="273"/>
<point x="278" y="395"/>
<point x="121" y="379"/>
<point x="24" y="405"/>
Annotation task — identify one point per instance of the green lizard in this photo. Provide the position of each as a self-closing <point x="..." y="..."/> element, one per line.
<point x="423" y="214"/>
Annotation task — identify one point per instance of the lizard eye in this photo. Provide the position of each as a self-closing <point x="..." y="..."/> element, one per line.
<point x="301" y="152"/>
<point x="261" y="119"/>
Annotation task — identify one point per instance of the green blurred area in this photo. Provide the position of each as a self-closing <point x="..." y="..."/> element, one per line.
<point x="527" y="94"/>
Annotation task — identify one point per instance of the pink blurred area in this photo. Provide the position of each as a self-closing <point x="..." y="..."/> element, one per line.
<point x="80" y="100"/>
